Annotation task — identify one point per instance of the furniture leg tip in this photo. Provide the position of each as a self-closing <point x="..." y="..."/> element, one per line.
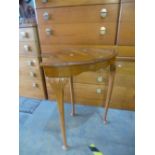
<point x="64" y="147"/>
<point x="105" y="121"/>
<point x="72" y="114"/>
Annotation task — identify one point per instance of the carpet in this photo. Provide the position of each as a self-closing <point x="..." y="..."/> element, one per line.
<point x="27" y="105"/>
<point x="40" y="132"/>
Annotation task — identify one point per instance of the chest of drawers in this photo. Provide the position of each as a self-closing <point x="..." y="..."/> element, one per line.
<point x="96" y="24"/>
<point x="31" y="83"/>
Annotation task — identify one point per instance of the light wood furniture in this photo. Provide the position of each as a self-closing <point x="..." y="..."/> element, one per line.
<point x="61" y="67"/>
<point x="31" y="82"/>
<point x="98" y="24"/>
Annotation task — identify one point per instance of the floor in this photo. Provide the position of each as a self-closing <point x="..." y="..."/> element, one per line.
<point x="40" y="132"/>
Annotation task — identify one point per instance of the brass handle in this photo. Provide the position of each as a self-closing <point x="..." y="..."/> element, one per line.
<point x="44" y="1"/>
<point x="103" y="13"/>
<point x="99" y="90"/>
<point x="99" y="79"/>
<point x="46" y="16"/>
<point x="102" y="30"/>
<point x="27" y="48"/>
<point x="34" y="85"/>
<point x="48" y="31"/>
<point x="32" y="74"/>
<point x="24" y="34"/>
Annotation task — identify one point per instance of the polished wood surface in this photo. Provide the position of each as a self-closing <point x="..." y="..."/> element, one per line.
<point x="58" y="3"/>
<point x="126" y="28"/>
<point x="78" y="14"/>
<point x="109" y="90"/>
<point x="71" y="86"/>
<point x="58" y="85"/>
<point x="78" y="33"/>
<point x="74" y="61"/>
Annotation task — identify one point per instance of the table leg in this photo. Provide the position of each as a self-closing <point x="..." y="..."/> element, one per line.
<point x="72" y="95"/>
<point x="57" y="85"/>
<point x="109" y="90"/>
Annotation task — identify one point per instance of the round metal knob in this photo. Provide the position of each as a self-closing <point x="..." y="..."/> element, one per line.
<point x="24" y="34"/>
<point x="30" y="63"/>
<point x="98" y="90"/>
<point x="48" y="31"/>
<point x="103" y="13"/>
<point x="44" y="1"/>
<point x="99" y="79"/>
<point x="46" y="16"/>
<point x="32" y="74"/>
<point x="27" y="48"/>
<point x="34" y="85"/>
<point x="102" y="30"/>
<point x="119" y="65"/>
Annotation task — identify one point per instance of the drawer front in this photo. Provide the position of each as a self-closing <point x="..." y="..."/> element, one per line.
<point x="30" y="73"/>
<point x="88" y="33"/>
<point x="29" y="62"/>
<point x="84" y="94"/>
<point x="124" y="86"/>
<point x="31" y="88"/>
<point x="126" y="29"/>
<point x="79" y="14"/>
<point x="28" y="47"/>
<point x="99" y="77"/>
<point x="28" y="34"/>
<point x="55" y="3"/>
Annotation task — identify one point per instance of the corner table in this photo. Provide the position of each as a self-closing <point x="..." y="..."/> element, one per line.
<point x="60" y="67"/>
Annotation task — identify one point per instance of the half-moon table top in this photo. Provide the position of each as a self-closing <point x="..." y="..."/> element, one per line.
<point x="74" y="61"/>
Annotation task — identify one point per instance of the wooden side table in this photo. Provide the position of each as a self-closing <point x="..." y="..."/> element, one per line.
<point x="61" y="66"/>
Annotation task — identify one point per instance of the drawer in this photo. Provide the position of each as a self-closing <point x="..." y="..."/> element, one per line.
<point x="28" y="34"/>
<point x="87" y="33"/>
<point x="56" y="3"/>
<point x="78" y="14"/>
<point x="30" y="73"/>
<point x="31" y="88"/>
<point x="29" y="62"/>
<point x="99" y="77"/>
<point x="84" y="94"/>
<point x="126" y="28"/>
<point x="26" y="47"/>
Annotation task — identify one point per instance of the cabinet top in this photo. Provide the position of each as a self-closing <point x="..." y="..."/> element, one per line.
<point x="78" y="57"/>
